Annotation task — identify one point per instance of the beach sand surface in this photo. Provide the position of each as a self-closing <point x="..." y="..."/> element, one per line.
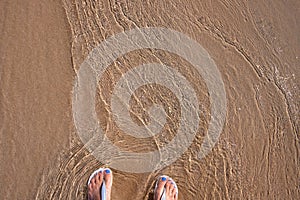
<point x="254" y="44"/>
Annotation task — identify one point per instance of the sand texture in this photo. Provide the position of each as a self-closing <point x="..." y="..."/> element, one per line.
<point x="254" y="44"/>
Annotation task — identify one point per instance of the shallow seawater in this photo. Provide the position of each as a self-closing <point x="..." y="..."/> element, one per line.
<point x="248" y="136"/>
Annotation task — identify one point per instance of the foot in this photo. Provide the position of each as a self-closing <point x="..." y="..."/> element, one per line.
<point x="96" y="182"/>
<point x="170" y="189"/>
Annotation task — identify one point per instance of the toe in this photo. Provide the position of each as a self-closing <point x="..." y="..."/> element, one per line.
<point x="174" y="192"/>
<point x="90" y="189"/>
<point x="169" y="186"/>
<point x="93" y="181"/>
<point x="99" y="178"/>
<point x="108" y="177"/>
<point x="160" y="186"/>
<point x="90" y="186"/>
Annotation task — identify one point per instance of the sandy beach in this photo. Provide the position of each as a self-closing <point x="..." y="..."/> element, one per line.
<point x="255" y="45"/>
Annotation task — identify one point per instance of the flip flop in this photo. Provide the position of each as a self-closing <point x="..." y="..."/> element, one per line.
<point x="102" y="188"/>
<point x="163" y="195"/>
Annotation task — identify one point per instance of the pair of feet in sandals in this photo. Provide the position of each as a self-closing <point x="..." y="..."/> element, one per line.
<point x="165" y="187"/>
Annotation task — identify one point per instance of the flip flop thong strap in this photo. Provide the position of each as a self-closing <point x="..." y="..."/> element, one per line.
<point x="163" y="195"/>
<point x="103" y="191"/>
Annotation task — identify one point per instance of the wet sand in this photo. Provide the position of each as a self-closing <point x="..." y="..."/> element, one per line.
<point x="255" y="46"/>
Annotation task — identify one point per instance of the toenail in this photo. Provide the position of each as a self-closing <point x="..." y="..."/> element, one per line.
<point x="163" y="178"/>
<point x="107" y="171"/>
